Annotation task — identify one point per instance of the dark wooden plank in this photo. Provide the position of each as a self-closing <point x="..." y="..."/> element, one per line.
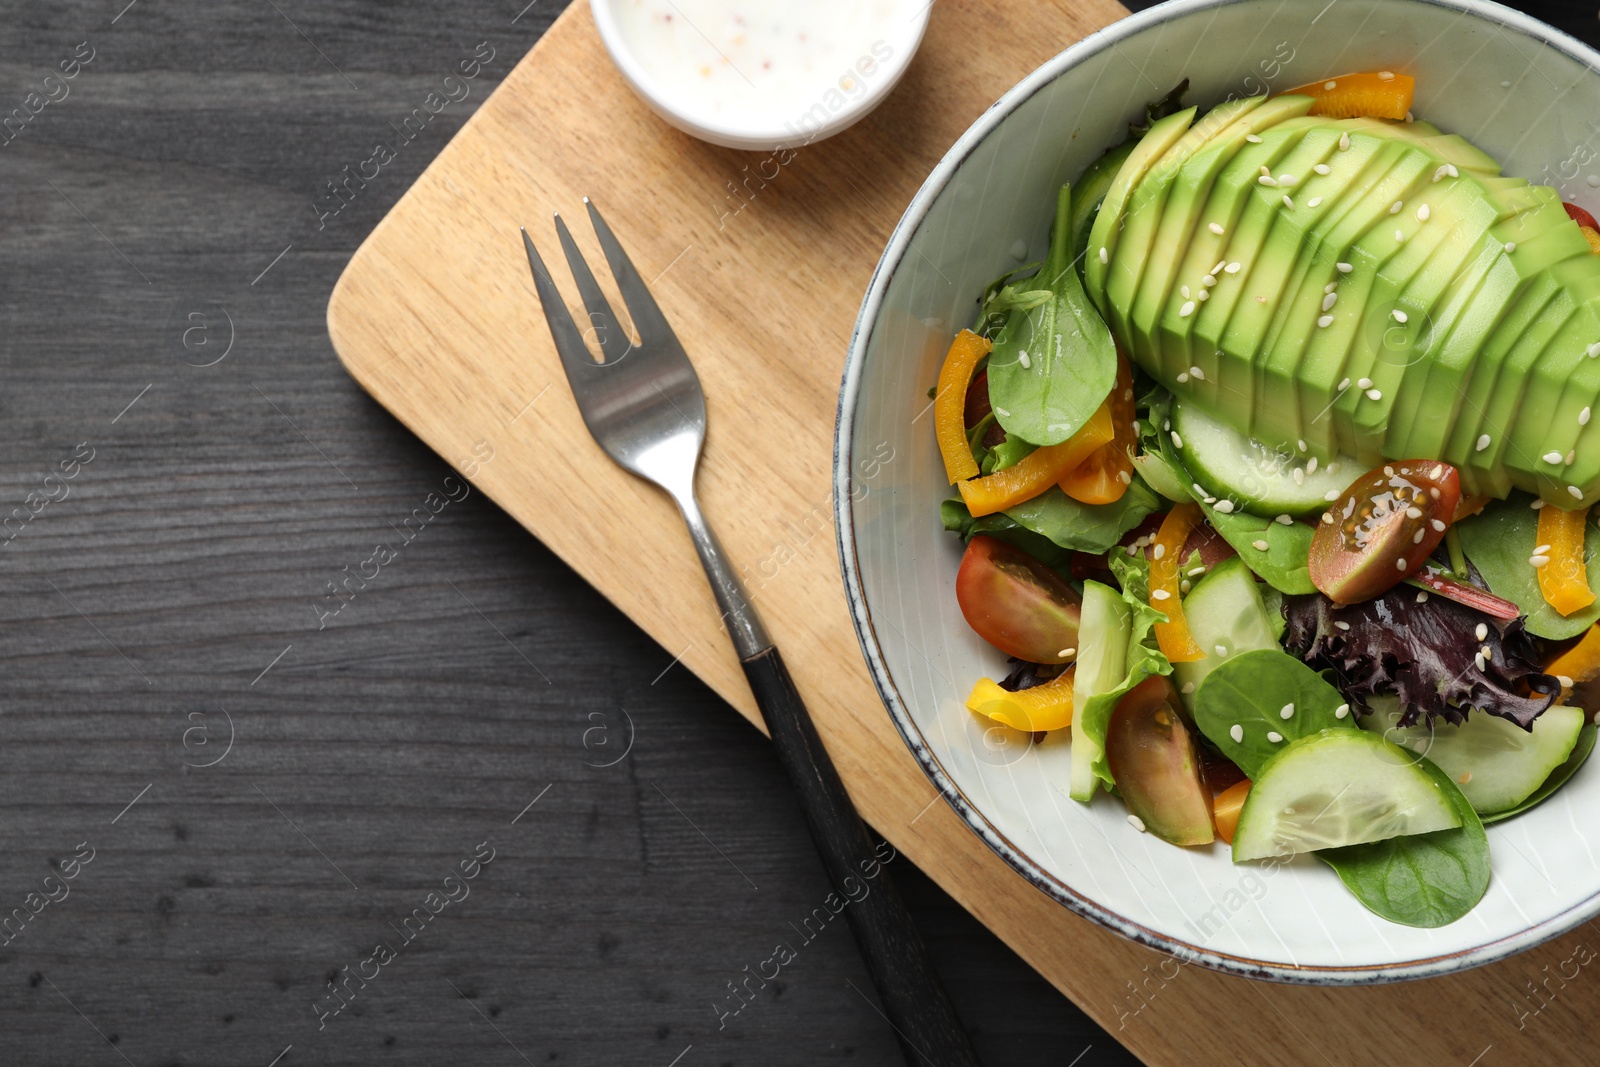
<point x="473" y="675"/>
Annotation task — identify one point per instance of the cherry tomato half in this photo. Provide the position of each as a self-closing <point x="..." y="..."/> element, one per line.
<point x="1152" y="757"/>
<point x="1580" y="216"/>
<point x="1387" y="523"/>
<point x="1016" y="603"/>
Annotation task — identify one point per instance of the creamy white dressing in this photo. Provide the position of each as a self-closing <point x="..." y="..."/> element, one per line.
<point x="766" y="64"/>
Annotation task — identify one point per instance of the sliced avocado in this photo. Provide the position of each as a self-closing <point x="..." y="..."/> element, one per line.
<point x="1103" y="236"/>
<point x="1562" y="381"/>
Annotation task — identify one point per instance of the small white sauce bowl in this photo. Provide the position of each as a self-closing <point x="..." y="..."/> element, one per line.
<point x="837" y="105"/>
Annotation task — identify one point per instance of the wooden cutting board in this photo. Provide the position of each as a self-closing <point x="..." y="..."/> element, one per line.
<point x="761" y="274"/>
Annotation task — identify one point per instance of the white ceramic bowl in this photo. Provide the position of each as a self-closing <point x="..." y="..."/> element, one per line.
<point x="835" y="105"/>
<point x="1514" y="86"/>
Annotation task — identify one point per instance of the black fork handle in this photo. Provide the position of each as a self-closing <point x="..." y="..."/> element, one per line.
<point x="914" y="1000"/>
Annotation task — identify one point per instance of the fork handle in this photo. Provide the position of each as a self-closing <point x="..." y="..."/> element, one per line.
<point x="913" y="998"/>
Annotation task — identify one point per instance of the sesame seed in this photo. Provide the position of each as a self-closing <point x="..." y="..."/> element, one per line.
<point x="1341" y="624"/>
<point x="1438" y="175"/>
<point x="1399" y="236"/>
<point x="1327" y="518"/>
<point x="1394" y="208"/>
<point x="1422" y="213"/>
<point x="1322" y="168"/>
<point x="1364" y="383"/>
<point x="1225" y="506"/>
<point x="1301" y="444"/>
<point x="1259" y="545"/>
<point x="1344" y="142"/>
<point x="1400" y="564"/>
<point x="1216" y="228"/>
<point x="1232" y="268"/>
<point x="1572" y="455"/>
<point x="1208" y="280"/>
<point x="1577" y="494"/>
<point x="1267" y="179"/>
<point x="1386" y="75"/>
<point x="1274" y="736"/>
<point x="1399" y="316"/>
<point x="1299" y="475"/>
<point x="1511" y="246"/>
<point x="1187" y="309"/>
<point x="1311" y="465"/>
<point x="1583" y="417"/>
<point x="1344" y="383"/>
<point x="1125" y="477"/>
<point x="1593" y="350"/>
<point x="1453" y="172"/>
<point x="1158" y="552"/>
<point x="1483" y="442"/>
<point x="1266" y="170"/>
<point x="1538" y="502"/>
<point x="1183" y="586"/>
<point x="1197" y="374"/>
<point x="1188" y="687"/>
<point x="1184" y="289"/>
<point x="1195" y="572"/>
<point x="1183" y="379"/>
<point x="1329" y="300"/>
<point x="1160" y="594"/>
<point x="1136" y="822"/>
<point x="1331" y="495"/>
<point x="1325" y="321"/>
<point x="1218" y="268"/>
<point x="1177" y="442"/>
<point x="1566" y="683"/>
<point x="1388" y="471"/>
<point x="1105" y="256"/>
<point x="1288" y="203"/>
<point x="1002" y="412"/>
<point x="1330" y="287"/>
<point x="1252" y="138"/>
<point x="1477" y="660"/>
<point x="1482" y="632"/>
<point x="1221" y="650"/>
<point x="1286" y="179"/>
<point x="1330" y="85"/>
<point x="1417" y="537"/>
<point x="1022" y="358"/>
<point x="1437" y="524"/>
<point x="1236" y="732"/>
<point x="1284" y="520"/>
<point x="1413" y="513"/>
<point x="1343" y="268"/>
<point x="1410" y="117"/>
<point x="1536" y="562"/>
<point x="1344" y="709"/>
<point x="1375" y="394"/>
<point x="1466" y="776"/>
<point x="1287" y="712"/>
<point x="1551" y="457"/>
<point x="1315" y="201"/>
<point x="1422" y="597"/>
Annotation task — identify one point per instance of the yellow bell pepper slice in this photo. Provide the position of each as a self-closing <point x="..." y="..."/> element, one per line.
<point x="950" y="404"/>
<point x="1176" y="642"/>
<point x="1564" y="580"/>
<point x="1044" y="707"/>
<point x="1038" y="470"/>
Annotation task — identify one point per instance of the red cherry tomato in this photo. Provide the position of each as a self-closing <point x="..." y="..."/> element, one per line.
<point x="1581" y="217"/>
<point x="1387" y="523"/>
<point x="1016" y="603"/>
<point x="1152" y="757"/>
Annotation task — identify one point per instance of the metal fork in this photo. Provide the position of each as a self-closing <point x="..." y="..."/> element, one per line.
<point x="644" y="406"/>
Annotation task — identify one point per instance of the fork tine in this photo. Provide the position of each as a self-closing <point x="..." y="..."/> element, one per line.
<point x="614" y="342"/>
<point x="569" y="342"/>
<point x="647" y="316"/>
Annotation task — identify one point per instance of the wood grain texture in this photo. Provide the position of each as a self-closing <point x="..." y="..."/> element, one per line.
<point x="437" y="318"/>
<point x="188" y="556"/>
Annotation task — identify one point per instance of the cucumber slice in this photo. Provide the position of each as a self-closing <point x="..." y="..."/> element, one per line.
<point x="1104" y="630"/>
<point x="1496" y="763"/>
<point x="1225" y="608"/>
<point x="1258" y="478"/>
<point x="1337" y="788"/>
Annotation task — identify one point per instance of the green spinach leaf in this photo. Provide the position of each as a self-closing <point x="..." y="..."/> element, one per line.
<point x="1053" y="364"/>
<point x="1424" y="880"/>
<point x="1240" y="704"/>
<point x="1557" y="779"/>
<point x="1499" y="542"/>
<point x="1062" y="523"/>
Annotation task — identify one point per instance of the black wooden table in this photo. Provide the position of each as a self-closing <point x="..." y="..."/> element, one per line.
<point x="216" y="800"/>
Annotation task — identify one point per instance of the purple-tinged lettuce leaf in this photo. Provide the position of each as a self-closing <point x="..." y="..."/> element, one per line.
<point x="1425" y="653"/>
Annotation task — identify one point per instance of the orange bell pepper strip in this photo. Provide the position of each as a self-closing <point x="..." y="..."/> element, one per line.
<point x="1105" y="476"/>
<point x="1376" y="94"/>
<point x="1176" y="642"/>
<point x="1225" y="808"/>
<point x="1581" y="662"/>
<point x="950" y="404"/>
<point x="1564" y="580"/>
<point x="1038" y="470"/>
<point x="1044" y="707"/>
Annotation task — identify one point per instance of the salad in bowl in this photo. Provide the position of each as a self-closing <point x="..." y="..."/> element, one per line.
<point x="1274" y="481"/>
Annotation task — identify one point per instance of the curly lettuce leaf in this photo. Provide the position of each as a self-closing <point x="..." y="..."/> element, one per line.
<point x="1425" y="653"/>
<point x="1144" y="660"/>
